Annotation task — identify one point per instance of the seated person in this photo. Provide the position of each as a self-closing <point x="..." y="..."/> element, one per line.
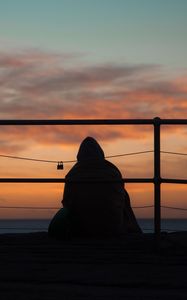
<point x="95" y="202"/>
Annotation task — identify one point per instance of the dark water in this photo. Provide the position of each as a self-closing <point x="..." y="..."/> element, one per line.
<point x="147" y="225"/>
<point x="168" y="225"/>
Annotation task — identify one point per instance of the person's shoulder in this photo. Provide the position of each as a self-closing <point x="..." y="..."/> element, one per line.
<point x="72" y="171"/>
<point x="110" y="164"/>
<point x="102" y="166"/>
<point x="113" y="167"/>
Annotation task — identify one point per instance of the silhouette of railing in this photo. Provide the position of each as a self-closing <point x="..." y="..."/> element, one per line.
<point x="157" y="180"/>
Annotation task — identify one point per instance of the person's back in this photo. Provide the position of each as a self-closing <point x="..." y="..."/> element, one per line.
<point x="95" y="202"/>
<point x="94" y="194"/>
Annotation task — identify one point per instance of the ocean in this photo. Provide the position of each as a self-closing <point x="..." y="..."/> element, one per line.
<point x="36" y="225"/>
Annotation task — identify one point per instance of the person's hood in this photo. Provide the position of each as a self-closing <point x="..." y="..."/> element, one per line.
<point x="90" y="150"/>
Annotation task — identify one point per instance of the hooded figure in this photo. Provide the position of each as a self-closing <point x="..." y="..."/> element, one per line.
<point x="94" y="196"/>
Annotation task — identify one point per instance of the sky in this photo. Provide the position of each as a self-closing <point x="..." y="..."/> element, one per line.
<point x="87" y="59"/>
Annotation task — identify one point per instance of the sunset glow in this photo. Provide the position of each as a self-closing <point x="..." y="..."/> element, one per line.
<point x="61" y="63"/>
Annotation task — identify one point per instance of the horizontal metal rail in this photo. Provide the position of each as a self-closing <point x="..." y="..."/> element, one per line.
<point x="95" y="122"/>
<point x="79" y="122"/>
<point x="63" y="180"/>
<point x="171" y="180"/>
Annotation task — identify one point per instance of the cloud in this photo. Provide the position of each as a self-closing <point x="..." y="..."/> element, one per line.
<point x="174" y="166"/>
<point x="36" y="84"/>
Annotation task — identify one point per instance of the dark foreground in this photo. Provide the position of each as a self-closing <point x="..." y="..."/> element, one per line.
<point x="35" y="267"/>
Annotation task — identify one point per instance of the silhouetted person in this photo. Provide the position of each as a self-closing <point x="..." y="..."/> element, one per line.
<point x="95" y="201"/>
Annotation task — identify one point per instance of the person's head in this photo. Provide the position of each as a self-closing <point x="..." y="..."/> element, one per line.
<point x="90" y="150"/>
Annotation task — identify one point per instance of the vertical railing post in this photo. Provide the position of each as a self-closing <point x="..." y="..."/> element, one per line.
<point x="157" y="179"/>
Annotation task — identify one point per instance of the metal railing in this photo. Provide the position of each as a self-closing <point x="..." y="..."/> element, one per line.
<point x="157" y="180"/>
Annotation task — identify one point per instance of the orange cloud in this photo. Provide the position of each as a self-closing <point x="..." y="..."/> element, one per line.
<point x="47" y="85"/>
<point x="44" y="85"/>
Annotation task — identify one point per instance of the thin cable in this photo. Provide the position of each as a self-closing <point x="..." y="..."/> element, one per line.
<point x="28" y="207"/>
<point x="28" y="158"/>
<point x="127" y="154"/>
<point x="68" y="161"/>
<point x="146" y="206"/>
<point x="172" y="207"/>
<point x="73" y="161"/>
<point x="44" y="207"/>
<point x="174" y="153"/>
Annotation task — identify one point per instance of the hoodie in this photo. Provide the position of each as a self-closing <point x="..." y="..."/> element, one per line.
<point x="95" y="196"/>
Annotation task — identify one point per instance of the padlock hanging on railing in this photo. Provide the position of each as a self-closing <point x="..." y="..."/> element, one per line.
<point x="60" y="165"/>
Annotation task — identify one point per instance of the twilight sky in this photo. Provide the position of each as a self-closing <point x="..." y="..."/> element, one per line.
<point x="91" y="59"/>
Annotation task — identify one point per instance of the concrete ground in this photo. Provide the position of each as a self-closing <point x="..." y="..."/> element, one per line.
<point x="32" y="266"/>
